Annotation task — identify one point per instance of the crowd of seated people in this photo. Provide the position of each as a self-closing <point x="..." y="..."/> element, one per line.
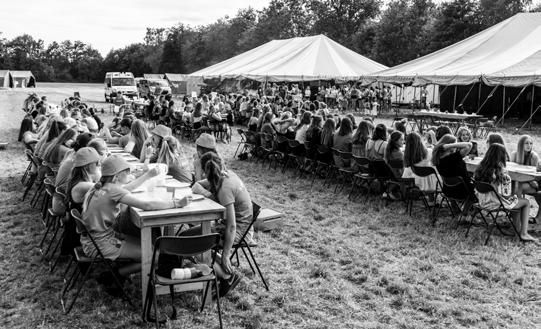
<point x="438" y="148"/>
<point x="99" y="184"/>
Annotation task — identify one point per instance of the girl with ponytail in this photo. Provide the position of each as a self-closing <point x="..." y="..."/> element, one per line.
<point x="227" y="189"/>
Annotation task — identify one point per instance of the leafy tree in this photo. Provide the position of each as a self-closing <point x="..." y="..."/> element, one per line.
<point x="171" y="61"/>
<point x="492" y="12"/>
<point x="456" y="20"/>
<point x="343" y="20"/>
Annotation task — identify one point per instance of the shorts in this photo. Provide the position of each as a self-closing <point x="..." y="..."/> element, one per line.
<point x="109" y="245"/>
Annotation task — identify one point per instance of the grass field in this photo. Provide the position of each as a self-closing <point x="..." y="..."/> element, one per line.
<point x="334" y="263"/>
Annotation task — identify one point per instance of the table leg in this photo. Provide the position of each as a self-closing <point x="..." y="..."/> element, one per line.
<point x="205" y="229"/>
<point x="146" y="259"/>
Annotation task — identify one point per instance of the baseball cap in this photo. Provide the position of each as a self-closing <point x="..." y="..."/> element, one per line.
<point x="84" y="156"/>
<point x="162" y="131"/>
<point x="206" y="140"/>
<point x="113" y="165"/>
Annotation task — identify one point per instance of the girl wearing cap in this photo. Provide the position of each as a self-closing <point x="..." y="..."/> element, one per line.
<point x="84" y="174"/>
<point x="154" y="143"/>
<point x="204" y="143"/>
<point x="102" y="212"/>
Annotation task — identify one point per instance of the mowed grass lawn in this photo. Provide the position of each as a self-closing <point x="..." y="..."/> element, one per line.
<point x="333" y="264"/>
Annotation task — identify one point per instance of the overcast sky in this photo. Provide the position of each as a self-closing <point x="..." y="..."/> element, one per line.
<point x="107" y="24"/>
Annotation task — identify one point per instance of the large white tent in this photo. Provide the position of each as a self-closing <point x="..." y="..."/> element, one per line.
<point x="296" y="59"/>
<point x="508" y="53"/>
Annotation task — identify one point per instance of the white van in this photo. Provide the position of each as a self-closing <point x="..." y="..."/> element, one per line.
<point x="119" y="83"/>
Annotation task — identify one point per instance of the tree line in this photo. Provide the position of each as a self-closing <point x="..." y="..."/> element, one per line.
<point x="389" y="32"/>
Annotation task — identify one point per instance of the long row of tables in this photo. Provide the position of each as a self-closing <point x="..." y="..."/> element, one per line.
<point x="202" y="211"/>
<point x="423" y="119"/>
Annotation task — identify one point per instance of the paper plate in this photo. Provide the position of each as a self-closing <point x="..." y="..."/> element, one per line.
<point x="197" y="197"/>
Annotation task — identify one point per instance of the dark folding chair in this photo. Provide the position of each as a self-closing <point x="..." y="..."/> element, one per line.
<point x="278" y="155"/>
<point x="241" y="142"/>
<point x="309" y="159"/>
<point x="32" y="179"/>
<point x="60" y="220"/>
<point x="424" y="195"/>
<point x="403" y="184"/>
<point x="85" y="264"/>
<point x="363" y="177"/>
<point x="492" y="213"/>
<point x="26" y="174"/>
<point x="324" y="161"/>
<point x="295" y="155"/>
<point x="457" y="194"/>
<point x="244" y="245"/>
<point x="346" y="171"/>
<point x="184" y="247"/>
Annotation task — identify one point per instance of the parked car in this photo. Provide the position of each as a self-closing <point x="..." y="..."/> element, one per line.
<point x="147" y="87"/>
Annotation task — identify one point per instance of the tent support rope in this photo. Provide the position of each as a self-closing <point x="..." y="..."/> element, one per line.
<point x="510" y="106"/>
<point x="463" y="99"/>
<point x="531" y="107"/>
<point x="486" y="100"/>
<point x="529" y="119"/>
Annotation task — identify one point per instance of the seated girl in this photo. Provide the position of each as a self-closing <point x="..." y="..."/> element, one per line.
<point x="417" y="155"/>
<point x="228" y="189"/>
<point x="464" y="135"/>
<point x="375" y="147"/>
<point x="103" y="216"/>
<point x="361" y="137"/>
<point x="204" y="143"/>
<point x="448" y="158"/>
<point x="154" y="143"/>
<point x="59" y="147"/>
<point x="342" y="141"/>
<point x="393" y="152"/>
<point x="492" y="170"/>
<point x="525" y="155"/>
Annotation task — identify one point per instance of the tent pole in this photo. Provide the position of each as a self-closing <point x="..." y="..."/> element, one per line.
<point x="503" y="106"/>
<point x="433" y="93"/>
<point x="454" y="99"/>
<point x="513" y="102"/>
<point x="479" y="96"/>
<point x="531" y="107"/>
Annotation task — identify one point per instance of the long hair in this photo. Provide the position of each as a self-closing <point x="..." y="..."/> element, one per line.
<point x="26" y="125"/>
<point x="363" y="132"/>
<point x="442" y="131"/>
<point x="169" y="151"/>
<point x="380" y="132"/>
<point x="392" y="145"/>
<point x="346" y="127"/>
<point x="139" y="132"/>
<point x="214" y="169"/>
<point x="77" y="175"/>
<point x="327" y="132"/>
<point x="305" y="120"/>
<point x="491" y="167"/>
<point x="51" y="152"/>
<point x="90" y="194"/>
<point x="519" y="155"/>
<point x="56" y="128"/>
<point x="82" y="141"/>
<point x="415" y="150"/>
<point x="460" y="131"/>
<point x="495" y="138"/>
<point x="439" y="150"/>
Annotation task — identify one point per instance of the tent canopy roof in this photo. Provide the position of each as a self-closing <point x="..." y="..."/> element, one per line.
<point x="153" y="76"/>
<point x="507" y="53"/>
<point x="296" y="59"/>
<point x="21" y="74"/>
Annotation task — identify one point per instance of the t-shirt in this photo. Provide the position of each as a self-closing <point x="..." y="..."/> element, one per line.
<point x="179" y="172"/>
<point x="123" y="141"/>
<point x="234" y="192"/>
<point x="101" y="213"/>
<point x="300" y="135"/>
<point x="63" y="175"/>
<point x="342" y="143"/>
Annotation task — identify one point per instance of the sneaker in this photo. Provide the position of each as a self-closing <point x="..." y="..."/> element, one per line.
<point x="227" y="285"/>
